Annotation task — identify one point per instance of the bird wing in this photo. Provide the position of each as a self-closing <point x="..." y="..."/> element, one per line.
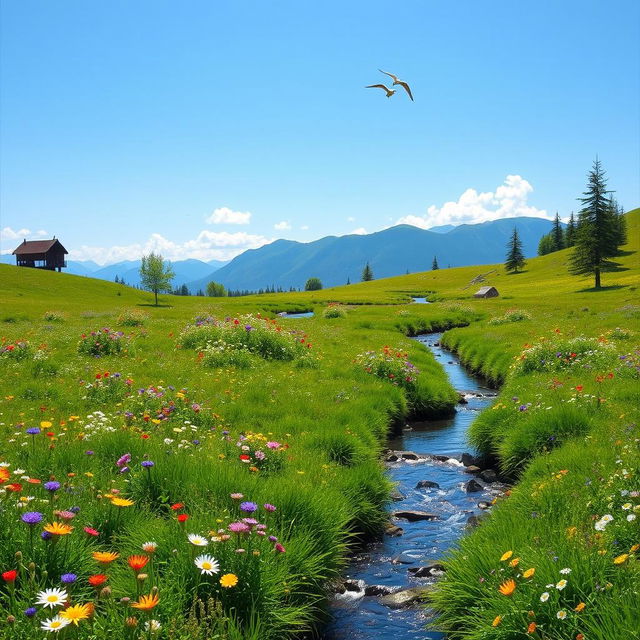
<point x="395" y="78"/>
<point x="405" y="86"/>
<point x="377" y="86"/>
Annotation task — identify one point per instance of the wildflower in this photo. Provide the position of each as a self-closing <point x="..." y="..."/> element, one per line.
<point x="183" y="517"/>
<point x="123" y="460"/>
<point x="152" y="626"/>
<point x="55" y="624"/>
<point x="561" y="585"/>
<point x="51" y="486"/>
<point x="561" y="615"/>
<point x="634" y="548"/>
<point x="532" y="627"/>
<point x="529" y="572"/>
<point x="631" y="517"/>
<point x="507" y="588"/>
<point x="68" y="578"/>
<point x="131" y="622"/>
<point x="121" y="502"/>
<point x="197" y="540"/>
<point x="207" y="564"/>
<point x="177" y="506"/>
<point x="97" y="580"/>
<point x="91" y="532"/>
<point x="248" y="507"/>
<point x="149" y="547"/>
<point x="52" y="597"/>
<point x="268" y="507"/>
<point x="580" y="606"/>
<point x="146" y="603"/>
<point x="237" y="496"/>
<point x="105" y="557"/>
<point x="514" y="562"/>
<point x="544" y="597"/>
<point x="147" y="464"/>
<point x="580" y="636"/>
<point x="137" y="562"/>
<point x="506" y="555"/>
<point x="621" y="559"/>
<point x="33" y="431"/>
<point x="10" y="576"/>
<point x="279" y="548"/>
<point x="77" y="612"/>
<point x="229" y="580"/>
<point x="239" y="527"/>
<point x="58" y="529"/>
<point x="566" y="571"/>
<point x="30" y="612"/>
<point x="496" y="621"/>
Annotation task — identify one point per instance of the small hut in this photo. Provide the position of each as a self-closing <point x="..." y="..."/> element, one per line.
<point x="486" y="292"/>
<point x="41" y="254"/>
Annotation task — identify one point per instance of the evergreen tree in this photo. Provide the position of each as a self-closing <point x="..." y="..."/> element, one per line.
<point x="367" y="273"/>
<point x="434" y="264"/>
<point x="348" y="280"/>
<point x="515" y="258"/>
<point x="117" y="280"/>
<point x="620" y="224"/>
<point x="200" y="292"/>
<point x="557" y="234"/>
<point x="546" y="245"/>
<point x="570" y="232"/>
<point x="156" y="274"/>
<point x="596" y="235"/>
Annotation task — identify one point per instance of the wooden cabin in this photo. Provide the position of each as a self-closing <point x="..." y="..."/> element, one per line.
<point x="41" y="254"/>
<point x="486" y="292"/>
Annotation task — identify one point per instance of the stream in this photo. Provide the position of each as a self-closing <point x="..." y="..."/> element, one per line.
<point x="393" y="561"/>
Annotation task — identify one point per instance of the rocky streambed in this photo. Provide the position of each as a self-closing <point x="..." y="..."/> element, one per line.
<point x="441" y="491"/>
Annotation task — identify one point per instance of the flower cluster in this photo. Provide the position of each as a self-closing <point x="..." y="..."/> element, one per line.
<point x="389" y="364"/>
<point x="102" y="342"/>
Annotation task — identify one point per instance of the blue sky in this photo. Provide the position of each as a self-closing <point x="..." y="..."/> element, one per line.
<point x="130" y="126"/>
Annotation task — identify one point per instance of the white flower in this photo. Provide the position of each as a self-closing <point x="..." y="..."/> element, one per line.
<point x="149" y="547"/>
<point x="607" y="518"/>
<point x="152" y="625"/>
<point x="55" y="624"/>
<point x="207" y="564"/>
<point x="626" y="506"/>
<point x="561" y="585"/>
<point x="631" y="517"/>
<point x="197" y="540"/>
<point x="52" y="597"/>
<point x="561" y="615"/>
<point x="565" y="571"/>
<point x="544" y="597"/>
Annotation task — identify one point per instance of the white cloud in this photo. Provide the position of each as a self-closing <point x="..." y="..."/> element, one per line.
<point x="508" y="201"/>
<point x="224" y="215"/>
<point x="304" y="227"/>
<point x="282" y="226"/>
<point x="9" y="236"/>
<point x="360" y="231"/>
<point x="207" y="245"/>
<point x="351" y="219"/>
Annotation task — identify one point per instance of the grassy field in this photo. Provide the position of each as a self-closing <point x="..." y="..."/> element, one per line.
<point x="202" y="400"/>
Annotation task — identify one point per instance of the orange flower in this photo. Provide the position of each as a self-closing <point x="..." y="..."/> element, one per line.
<point x="532" y="627"/>
<point x="580" y="606"/>
<point x="105" y="557"/>
<point x="4" y="474"/>
<point x="507" y="588"/>
<point x="514" y="562"/>
<point x="506" y="555"/>
<point x="137" y="562"/>
<point x="621" y="559"/>
<point x="97" y="579"/>
<point x="58" y="529"/>
<point x="529" y="572"/>
<point x="146" y="603"/>
<point x="580" y="636"/>
<point x="496" y="621"/>
<point x="634" y="548"/>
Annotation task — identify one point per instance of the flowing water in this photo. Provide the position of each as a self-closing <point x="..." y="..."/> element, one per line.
<point x="305" y="314"/>
<point x="360" y="617"/>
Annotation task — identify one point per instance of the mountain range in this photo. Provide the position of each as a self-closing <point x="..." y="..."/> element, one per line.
<point x="338" y="259"/>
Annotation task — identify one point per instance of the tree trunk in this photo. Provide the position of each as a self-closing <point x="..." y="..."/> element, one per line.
<point x="156" y="294"/>
<point x="597" y="272"/>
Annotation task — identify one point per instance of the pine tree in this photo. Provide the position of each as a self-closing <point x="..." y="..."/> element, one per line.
<point x="545" y="245"/>
<point x="348" y="280"/>
<point x="570" y="232"/>
<point x="515" y="258"/>
<point x="434" y="264"/>
<point x="367" y="273"/>
<point x="596" y="235"/>
<point x="557" y="234"/>
<point x="620" y="224"/>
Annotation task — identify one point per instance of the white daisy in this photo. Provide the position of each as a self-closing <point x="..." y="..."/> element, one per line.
<point x="52" y="597"/>
<point x="197" y="540"/>
<point x="55" y="624"/>
<point x="207" y="564"/>
<point x="626" y="506"/>
<point x="561" y="615"/>
<point x="565" y="571"/>
<point x="152" y="625"/>
<point x="544" y="597"/>
<point x="631" y="517"/>
<point x="561" y="585"/>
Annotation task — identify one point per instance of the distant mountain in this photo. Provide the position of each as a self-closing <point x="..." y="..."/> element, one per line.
<point x="445" y="228"/>
<point x="394" y="251"/>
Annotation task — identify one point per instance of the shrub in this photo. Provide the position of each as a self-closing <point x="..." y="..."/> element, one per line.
<point x="132" y="318"/>
<point x="389" y="364"/>
<point x="220" y="354"/>
<point x="53" y="316"/>
<point x="334" y="311"/>
<point x="103" y="342"/>
<point x="513" y="315"/>
<point x="18" y="350"/>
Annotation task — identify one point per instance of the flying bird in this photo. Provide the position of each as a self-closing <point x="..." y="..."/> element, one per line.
<point x="402" y="83"/>
<point x="388" y="91"/>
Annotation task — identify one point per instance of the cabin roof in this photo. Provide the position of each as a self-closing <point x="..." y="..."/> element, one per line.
<point x="37" y="246"/>
<point x="482" y="290"/>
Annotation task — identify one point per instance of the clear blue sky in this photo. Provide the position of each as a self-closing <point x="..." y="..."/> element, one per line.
<point x="127" y="124"/>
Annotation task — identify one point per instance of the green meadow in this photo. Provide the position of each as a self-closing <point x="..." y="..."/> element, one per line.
<point x="204" y="468"/>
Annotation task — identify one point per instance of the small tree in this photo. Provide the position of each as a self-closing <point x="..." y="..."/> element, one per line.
<point x="155" y="274"/>
<point x="619" y="223"/>
<point x="570" y="232"/>
<point x="367" y="273"/>
<point x="434" y="264"/>
<point x="216" y="290"/>
<point x="313" y="284"/>
<point x="515" y="258"/>
<point x="557" y="234"/>
<point x="545" y="245"/>
<point x="596" y="235"/>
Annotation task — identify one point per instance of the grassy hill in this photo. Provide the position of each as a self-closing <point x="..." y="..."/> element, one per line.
<point x="194" y="396"/>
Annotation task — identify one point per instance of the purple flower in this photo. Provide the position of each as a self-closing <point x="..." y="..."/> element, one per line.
<point x="33" y="431"/>
<point x="88" y="453"/>
<point x="273" y="445"/>
<point x="248" y="507"/>
<point x="147" y="464"/>
<point x="31" y="517"/>
<point x="68" y="578"/>
<point x="259" y="455"/>
<point x="45" y="535"/>
<point x="239" y="527"/>
<point x="252" y="522"/>
<point x="273" y="539"/>
<point x="522" y="407"/>
<point x="30" y="612"/>
<point x="52" y="486"/>
<point x="122" y="460"/>
<point x="74" y="509"/>
<point x="196" y="442"/>
<point x="269" y="507"/>
<point x="125" y="470"/>
<point x="247" y="327"/>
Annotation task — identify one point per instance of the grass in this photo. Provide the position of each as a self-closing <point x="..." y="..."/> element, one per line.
<point x="327" y="419"/>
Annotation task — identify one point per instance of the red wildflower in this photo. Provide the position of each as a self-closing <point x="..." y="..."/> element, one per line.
<point x="97" y="579"/>
<point x="138" y="562"/>
<point x="91" y="532"/>
<point x="14" y="486"/>
<point x="579" y="387"/>
<point x="177" y="506"/>
<point x="10" y="576"/>
<point x="183" y="517"/>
